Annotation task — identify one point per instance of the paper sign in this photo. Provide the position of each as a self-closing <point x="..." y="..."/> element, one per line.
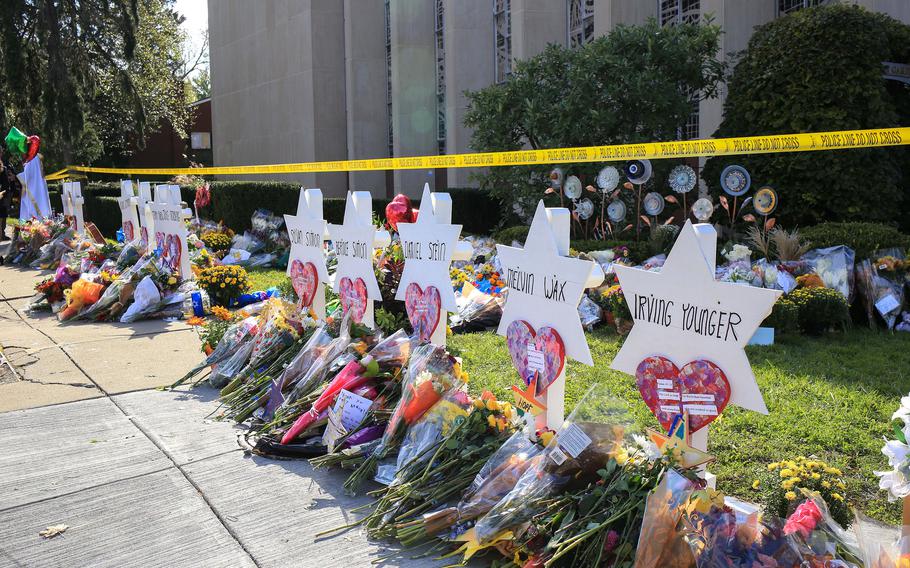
<point x="887" y="304"/>
<point x="701" y="409"/>
<point x="536" y="360"/>
<point x="573" y="440"/>
<point x="346" y="414"/>
<point x="664" y="384"/>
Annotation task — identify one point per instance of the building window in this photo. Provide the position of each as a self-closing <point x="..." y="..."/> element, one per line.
<point x="785" y="7"/>
<point x="388" y="74"/>
<point x="201" y="140"/>
<point x="581" y="22"/>
<point x="673" y="12"/>
<point x="440" y="78"/>
<point x="690" y="129"/>
<point x="502" y="30"/>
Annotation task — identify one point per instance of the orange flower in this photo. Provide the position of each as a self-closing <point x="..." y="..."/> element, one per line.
<point x="195" y="321"/>
<point x="223" y="314"/>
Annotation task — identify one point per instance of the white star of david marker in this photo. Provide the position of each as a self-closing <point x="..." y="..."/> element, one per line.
<point x="354" y="242"/>
<point x="428" y="246"/>
<point x="684" y="314"/>
<point x="307" y="231"/>
<point x="544" y="286"/>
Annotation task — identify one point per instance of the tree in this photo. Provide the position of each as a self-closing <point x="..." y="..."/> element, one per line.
<point x="91" y="77"/>
<point x="635" y="84"/>
<point x="820" y="69"/>
<point x="201" y="84"/>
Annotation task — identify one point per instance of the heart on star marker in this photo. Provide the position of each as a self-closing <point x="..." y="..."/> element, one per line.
<point x="700" y="388"/>
<point x="541" y="353"/>
<point x="304" y="280"/>
<point x="128" y="233"/>
<point x="423" y="308"/>
<point x="353" y="295"/>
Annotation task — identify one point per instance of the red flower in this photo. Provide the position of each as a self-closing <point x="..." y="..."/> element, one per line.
<point x="804" y="519"/>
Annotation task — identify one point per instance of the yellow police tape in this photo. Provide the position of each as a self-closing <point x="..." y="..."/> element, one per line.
<point x="806" y="142"/>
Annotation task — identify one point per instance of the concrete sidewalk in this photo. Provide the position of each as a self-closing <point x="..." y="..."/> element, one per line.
<point x="144" y="477"/>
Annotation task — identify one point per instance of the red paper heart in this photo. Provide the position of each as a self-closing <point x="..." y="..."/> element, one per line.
<point x="548" y="356"/>
<point x="304" y="279"/>
<point x="700" y="387"/>
<point x="128" y="233"/>
<point x="424" y="308"/>
<point x="353" y="297"/>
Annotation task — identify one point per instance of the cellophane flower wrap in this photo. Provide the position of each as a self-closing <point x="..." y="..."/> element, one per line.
<point x="309" y="368"/>
<point x="431" y="373"/>
<point x="660" y="544"/>
<point x="878" y="549"/>
<point x="593" y="433"/>
<point x="818" y="538"/>
<point x="495" y="479"/>
<point x="441" y="455"/>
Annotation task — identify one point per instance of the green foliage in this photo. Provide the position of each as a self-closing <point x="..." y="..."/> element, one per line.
<point x="820" y="309"/>
<point x="783" y="84"/>
<point x="90" y="77"/>
<point x="212" y="332"/>
<point x="863" y="238"/>
<point x="631" y="85"/>
<point x="390" y="322"/>
<point x="662" y="238"/>
<point x="784" y="316"/>
<point x="507" y="235"/>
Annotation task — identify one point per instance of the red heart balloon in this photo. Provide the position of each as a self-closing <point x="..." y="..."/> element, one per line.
<point x="700" y="387"/>
<point x="400" y="210"/>
<point x="33" y="144"/>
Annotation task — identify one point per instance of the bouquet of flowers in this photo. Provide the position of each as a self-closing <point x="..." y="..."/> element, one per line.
<point x="431" y="373"/>
<point x="440" y="457"/>
<point x="592" y="435"/>
<point x="495" y="479"/>
<point x="224" y="284"/>
<point x="834" y="265"/>
<point x="896" y="481"/>
<point x="230" y="341"/>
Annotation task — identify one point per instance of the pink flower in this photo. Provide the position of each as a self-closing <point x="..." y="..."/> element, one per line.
<point x="803" y="519"/>
<point x="611" y="542"/>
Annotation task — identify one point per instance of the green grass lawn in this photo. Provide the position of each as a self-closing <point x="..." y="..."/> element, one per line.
<point x="265" y="278"/>
<point x="830" y="397"/>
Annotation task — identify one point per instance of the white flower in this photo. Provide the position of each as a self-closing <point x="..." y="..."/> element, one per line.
<point x="896" y="452"/>
<point x="771" y="275"/>
<point x="895" y="483"/>
<point x="903" y="412"/>
<point x="648" y="448"/>
<point x="738" y="252"/>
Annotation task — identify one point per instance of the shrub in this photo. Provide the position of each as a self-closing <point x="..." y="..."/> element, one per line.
<point x="820" y="309"/>
<point x="784" y="316"/>
<point x="234" y="202"/>
<point x="780" y="86"/>
<point x="506" y="236"/>
<point x="863" y="238"/>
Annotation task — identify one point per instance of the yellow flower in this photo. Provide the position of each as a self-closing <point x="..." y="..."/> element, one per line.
<point x="788" y="484"/>
<point x="222" y="284"/>
<point x="816" y="475"/>
<point x="478" y="404"/>
<point x="837" y="496"/>
<point x="756" y="484"/>
<point x="492" y="405"/>
<point x="790" y="495"/>
<point x="772" y="466"/>
<point x="840" y="485"/>
<point x="786" y="473"/>
<point x="491" y="421"/>
<point x="546" y="438"/>
<point x="826" y="484"/>
<point x="833" y="471"/>
<point x="171" y="280"/>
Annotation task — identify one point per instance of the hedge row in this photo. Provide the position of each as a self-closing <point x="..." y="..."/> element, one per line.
<point x="234" y="202"/>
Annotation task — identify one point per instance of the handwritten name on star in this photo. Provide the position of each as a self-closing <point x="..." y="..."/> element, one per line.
<point x="687" y="316"/>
